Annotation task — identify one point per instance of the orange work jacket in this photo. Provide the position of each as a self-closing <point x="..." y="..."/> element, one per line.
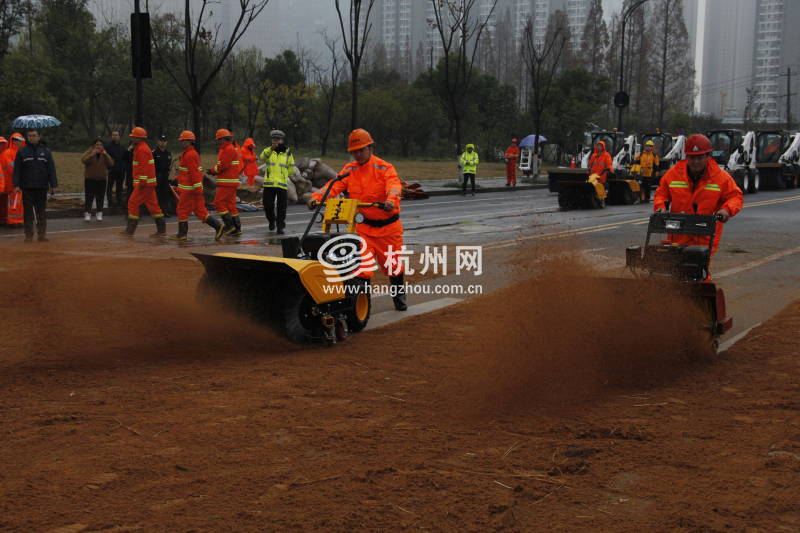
<point x="144" y="168"/>
<point x="228" y="167"/>
<point x="715" y="190"/>
<point x="374" y="181"/>
<point x="190" y="173"/>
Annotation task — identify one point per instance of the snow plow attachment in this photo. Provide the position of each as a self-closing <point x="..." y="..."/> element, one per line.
<point x="622" y="190"/>
<point x="294" y="296"/>
<point x="309" y="293"/>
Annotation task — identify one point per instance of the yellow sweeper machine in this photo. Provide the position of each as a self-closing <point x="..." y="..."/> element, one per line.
<point x="309" y="293"/>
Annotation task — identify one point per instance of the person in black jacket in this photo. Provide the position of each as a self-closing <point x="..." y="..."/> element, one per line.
<point x="163" y="161"/>
<point x="34" y="174"/>
<point x="116" y="174"/>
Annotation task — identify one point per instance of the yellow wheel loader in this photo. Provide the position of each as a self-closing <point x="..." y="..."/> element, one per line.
<point x="311" y="293"/>
<point x="581" y="190"/>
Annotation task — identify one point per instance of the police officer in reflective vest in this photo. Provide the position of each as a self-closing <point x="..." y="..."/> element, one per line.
<point x="279" y="164"/>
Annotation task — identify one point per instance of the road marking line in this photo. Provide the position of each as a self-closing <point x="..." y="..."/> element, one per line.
<point x="756" y="263"/>
<point x="566" y="233"/>
<point x="775" y="201"/>
<point x="388" y="317"/>
<point x="730" y="342"/>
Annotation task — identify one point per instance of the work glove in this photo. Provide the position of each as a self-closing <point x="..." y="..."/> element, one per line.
<point x="312" y="204"/>
<point x="660" y="210"/>
<point x="388" y="205"/>
<point x="723" y="215"/>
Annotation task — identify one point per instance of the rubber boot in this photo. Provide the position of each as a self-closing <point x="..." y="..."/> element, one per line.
<point x="229" y="225"/>
<point x="183" y="232"/>
<point x="161" y="228"/>
<point x="399" y="298"/>
<point x="237" y="225"/>
<point x="214" y="223"/>
<point x="131" y="229"/>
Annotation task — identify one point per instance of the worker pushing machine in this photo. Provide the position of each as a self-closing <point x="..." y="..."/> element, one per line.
<point x="647" y="162"/>
<point x="190" y="190"/>
<point x="371" y="179"/>
<point x="600" y="162"/>
<point x="227" y="171"/>
<point x="468" y="161"/>
<point x="697" y="185"/>
<point x="144" y="186"/>
<point x="512" y="156"/>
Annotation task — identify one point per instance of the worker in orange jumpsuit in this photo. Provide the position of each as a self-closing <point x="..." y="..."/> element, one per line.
<point x="600" y="162"/>
<point x="227" y="171"/>
<point x="249" y="160"/>
<point x="144" y="186"/>
<point x="697" y="185"/>
<point x="512" y="156"/>
<point x="372" y="179"/>
<point x="11" y="213"/>
<point x="190" y="189"/>
<point x="3" y="146"/>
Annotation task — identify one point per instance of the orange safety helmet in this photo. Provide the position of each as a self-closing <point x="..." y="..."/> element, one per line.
<point x="138" y="133"/>
<point x="187" y="135"/>
<point x="697" y="144"/>
<point x="222" y="132"/>
<point x="358" y="139"/>
<point x="17" y="137"/>
<point x="3" y="140"/>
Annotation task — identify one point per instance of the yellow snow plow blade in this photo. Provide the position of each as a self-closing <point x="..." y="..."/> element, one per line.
<point x="249" y="269"/>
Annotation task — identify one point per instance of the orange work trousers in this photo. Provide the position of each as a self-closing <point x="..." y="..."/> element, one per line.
<point x="225" y="201"/>
<point x="511" y="172"/>
<point x="147" y="196"/>
<point x="379" y="247"/>
<point x="191" y="202"/>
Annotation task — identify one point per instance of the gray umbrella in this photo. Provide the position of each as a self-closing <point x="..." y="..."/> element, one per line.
<point x="34" y="121"/>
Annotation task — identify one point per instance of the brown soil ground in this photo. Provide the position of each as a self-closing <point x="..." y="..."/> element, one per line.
<point x="126" y="407"/>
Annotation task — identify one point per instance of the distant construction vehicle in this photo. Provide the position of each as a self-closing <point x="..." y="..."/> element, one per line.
<point x="735" y="151"/>
<point x="777" y="153"/>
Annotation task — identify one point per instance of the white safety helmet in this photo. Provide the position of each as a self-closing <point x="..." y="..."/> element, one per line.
<point x="277" y="134"/>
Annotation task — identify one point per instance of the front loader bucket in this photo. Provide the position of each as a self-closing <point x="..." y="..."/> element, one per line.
<point x="623" y="192"/>
<point x="557" y="176"/>
<point x="581" y="195"/>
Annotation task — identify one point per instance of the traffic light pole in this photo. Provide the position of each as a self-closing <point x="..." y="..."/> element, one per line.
<point x="139" y="85"/>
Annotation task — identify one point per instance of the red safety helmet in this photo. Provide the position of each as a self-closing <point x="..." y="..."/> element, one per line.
<point x="3" y="140"/>
<point x="697" y="144"/>
<point x="17" y="137"/>
<point x="138" y="133"/>
<point x="514" y="140"/>
<point x="222" y="133"/>
<point x="187" y="135"/>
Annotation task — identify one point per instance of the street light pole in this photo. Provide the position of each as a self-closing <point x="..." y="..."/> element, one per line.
<point x="620" y="106"/>
<point x="139" y="86"/>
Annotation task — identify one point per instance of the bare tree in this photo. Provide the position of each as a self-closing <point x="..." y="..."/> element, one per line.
<point x="354" y="42"/>
<point x="203" y="51"/>
<point x="594" y="41"/>
<point x="12" y="13"/>
<point x="542" y="64"/>
<point x="328" y="82"/>
<point x="460" y="31"/>
<point x="672" y="72"/>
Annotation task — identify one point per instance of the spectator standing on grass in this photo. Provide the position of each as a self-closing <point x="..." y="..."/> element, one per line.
<point x="34" y="174"/>
<point x="469" y="167"/>
<point x="96" y="163"/>
<point x="163" y="162"/>
<point x="116" y="175"/>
